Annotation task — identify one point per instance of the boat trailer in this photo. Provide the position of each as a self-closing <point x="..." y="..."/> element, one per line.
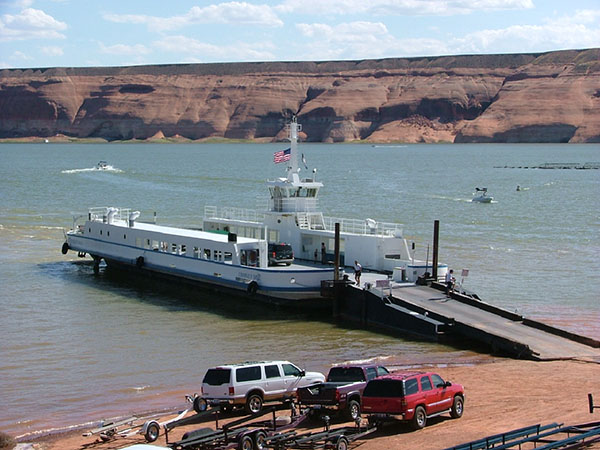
<point x="127" y="427"/>
<point x="544" y="437"/>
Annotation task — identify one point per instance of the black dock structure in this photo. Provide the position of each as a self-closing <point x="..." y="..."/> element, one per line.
<point x="426" y="312"/>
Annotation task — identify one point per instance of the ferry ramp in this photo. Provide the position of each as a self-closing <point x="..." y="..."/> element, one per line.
<point x="501" y="329"/>
<point x="425" y="310"/>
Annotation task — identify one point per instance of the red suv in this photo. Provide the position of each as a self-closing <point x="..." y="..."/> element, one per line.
<point x="413" y="397"/>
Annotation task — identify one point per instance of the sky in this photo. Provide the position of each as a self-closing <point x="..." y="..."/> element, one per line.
<point x="84" y="33"/>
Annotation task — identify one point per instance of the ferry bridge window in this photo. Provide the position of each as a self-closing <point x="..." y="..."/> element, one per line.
<point x="196" y="252"/>
<point x="147" y="245"/>
<point x="183" y="249"/>
<point x="124" y="236"/>
<point x="228" y="256"/>
<point x="173" y="248"/>
<point x="206" y="253"/>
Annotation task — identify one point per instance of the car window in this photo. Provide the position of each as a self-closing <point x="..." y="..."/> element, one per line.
<point x="342" y="374"/>
<point x="217" y="377"/>
<point x="272" y="371"/>
<point x="247" y="374"/>
<point x="382" y="371"/>
<point x="383" y="388"/>
<point x="290" y="370"/>
<point x="426" y="383"/>
<point x="411" y="386"/>
<point x="437" y="380"/>
<point x="371" y="373"/>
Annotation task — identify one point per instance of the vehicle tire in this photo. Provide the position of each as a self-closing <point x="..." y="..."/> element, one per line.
<point x="65" y="248"/>
<point x="342" y="443"/>
<point x="152" y="431"/>
<point x="419" y="420"/>
<point x="200" y="404"/>
<point x="246" y="443"/>
<point x="353" y="410"/>
<point x="260" y="439"/>
<point x="254" y="403"/>
<point x="458" y="407"/>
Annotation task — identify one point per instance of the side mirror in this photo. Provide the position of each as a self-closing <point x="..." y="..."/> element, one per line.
<point x="447" y="384"/>
<point x="302" y="373"/>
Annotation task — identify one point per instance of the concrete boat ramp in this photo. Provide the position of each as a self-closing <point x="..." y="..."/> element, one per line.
<point x="426" y="311"/>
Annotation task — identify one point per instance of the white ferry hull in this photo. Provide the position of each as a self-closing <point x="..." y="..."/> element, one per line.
<point x="279" y="284"/>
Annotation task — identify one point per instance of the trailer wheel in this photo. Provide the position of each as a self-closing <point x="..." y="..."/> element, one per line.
<point x="353" y="410"/>
<point x="458" y="407"/>
<point x="200" y="404"/>
<point x="419" y="419"/>
<point x="342" y="443"/>
<point x="152" y="431"/>
<point x="259" y="440"/>
<point x="246" y="443"/>
<point x="254" y="403"/>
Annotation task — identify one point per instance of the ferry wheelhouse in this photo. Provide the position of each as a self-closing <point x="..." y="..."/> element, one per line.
<point x="292" y="216"/>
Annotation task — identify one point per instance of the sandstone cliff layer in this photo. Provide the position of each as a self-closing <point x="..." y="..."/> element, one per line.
<point x="550" y="97"/>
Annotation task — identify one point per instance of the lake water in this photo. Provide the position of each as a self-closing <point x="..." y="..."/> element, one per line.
<point x="77" y="347"/>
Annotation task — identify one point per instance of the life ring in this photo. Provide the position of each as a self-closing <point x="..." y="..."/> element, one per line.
<point x="65" y="248"/>
<point x="139" y="262"/>
<point x="252" y="288"/>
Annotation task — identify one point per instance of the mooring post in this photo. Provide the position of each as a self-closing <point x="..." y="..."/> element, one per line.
<point x="336" y="272"/>
<point x="436" y="236"/>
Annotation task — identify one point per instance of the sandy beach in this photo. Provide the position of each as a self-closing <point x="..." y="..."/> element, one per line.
<point x="500" y="396"/>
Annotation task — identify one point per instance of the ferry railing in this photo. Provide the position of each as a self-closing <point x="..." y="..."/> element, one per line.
<point x="100" y="214"/>
<point x="247" y="215"/>
<point x="315" y="221"/>
<point x="368" y="226"/>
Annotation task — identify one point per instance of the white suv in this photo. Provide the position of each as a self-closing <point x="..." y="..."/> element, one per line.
<point x="250" y="384"/>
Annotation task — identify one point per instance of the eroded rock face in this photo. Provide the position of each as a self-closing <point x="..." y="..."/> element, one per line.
<point x="551" y="97"/>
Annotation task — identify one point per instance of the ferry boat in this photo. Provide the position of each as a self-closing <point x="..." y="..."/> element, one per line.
<point x="222" y="260"/>
<point x="292" y="216"/>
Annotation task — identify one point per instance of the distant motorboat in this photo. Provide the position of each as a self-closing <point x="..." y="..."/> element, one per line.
<point x="481" y="196"/>
<point x="102" y="165"/>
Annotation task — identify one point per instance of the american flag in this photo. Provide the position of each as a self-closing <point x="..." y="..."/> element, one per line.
<point x="282" y="156"/>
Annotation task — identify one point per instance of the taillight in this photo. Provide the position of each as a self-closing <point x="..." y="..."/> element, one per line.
<point x="231" y="390"/>
<point x="403" y="403"/>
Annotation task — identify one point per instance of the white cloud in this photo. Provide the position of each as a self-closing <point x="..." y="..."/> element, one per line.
<point x="553" y="34"/>
<point x="30" y="24"/>
<point x="125" y="50"/>
<point x="401" y="7"/>
<point x="19" y="55"/>
<point x="197" y="51"/>
<point x="224" y="13"/>
<point x="52" y="51"/>
<point x="362" y="40"/>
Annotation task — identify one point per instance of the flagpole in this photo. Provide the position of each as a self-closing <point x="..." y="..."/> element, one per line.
<point x="294" y="128"/>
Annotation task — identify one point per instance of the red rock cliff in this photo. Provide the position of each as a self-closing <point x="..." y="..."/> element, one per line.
<point x="550" y="97"/>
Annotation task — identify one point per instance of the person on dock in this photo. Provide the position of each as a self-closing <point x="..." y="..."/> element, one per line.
<point x="450" y="282"/>
<point x="357" y="272"/>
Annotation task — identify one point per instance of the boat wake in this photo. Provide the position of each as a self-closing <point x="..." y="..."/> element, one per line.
<point x="93" y="169"/>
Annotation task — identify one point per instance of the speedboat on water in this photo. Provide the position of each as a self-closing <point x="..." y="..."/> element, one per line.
<point x="481" y="196"/>
<point x="102" y="165"/>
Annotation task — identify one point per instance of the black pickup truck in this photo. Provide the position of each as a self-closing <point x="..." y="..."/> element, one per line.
<point x="341" y="391"/>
